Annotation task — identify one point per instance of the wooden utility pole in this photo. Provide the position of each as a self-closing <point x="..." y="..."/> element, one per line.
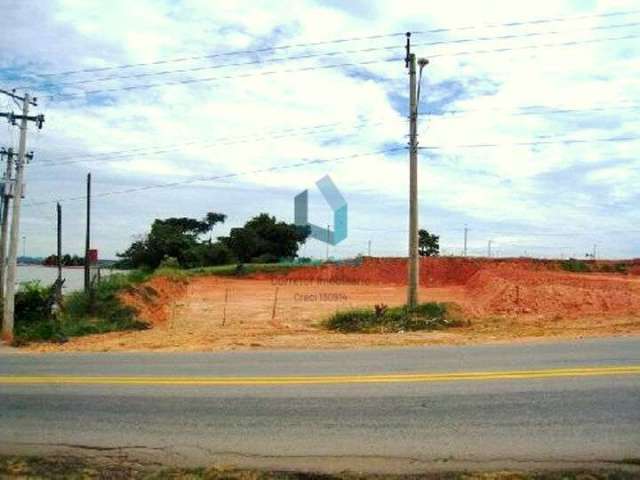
<point x="87" y="244"/>
<point x="59" y="252"/>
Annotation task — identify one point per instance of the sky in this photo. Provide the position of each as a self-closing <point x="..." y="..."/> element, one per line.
<point x="528" y="119"/>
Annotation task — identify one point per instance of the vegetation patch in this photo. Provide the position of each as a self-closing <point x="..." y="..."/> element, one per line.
<point x="69" y="467"/>
<point x="99" y="311"/>
<point x="382" y="319"/>
<point x="573" y="265"/>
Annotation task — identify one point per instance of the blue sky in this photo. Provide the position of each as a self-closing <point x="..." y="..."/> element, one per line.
<point x="546" y="199"/>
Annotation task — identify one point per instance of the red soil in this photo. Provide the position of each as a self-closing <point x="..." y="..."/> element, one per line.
<point x="505" y="300"/>
<point x="500" y="286"/>
<point x="153" y="300"/>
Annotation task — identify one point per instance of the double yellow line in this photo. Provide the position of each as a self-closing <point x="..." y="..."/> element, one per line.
<point x="319" y="379"/>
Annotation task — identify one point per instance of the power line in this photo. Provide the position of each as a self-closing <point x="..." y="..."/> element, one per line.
<point x="335" y="41"/>
<point x="222" y="54"/>
<point x="223" y="77"/>
<point x="323" y="54"/>
<point x="569" y="141"/>
<point x="145" y="151"/>
<point x="324" y="67"/>
<point x="535" y="47"/>
<point x="531" y="22"/>
<point x="535" y="110"/>
<point x="220" y="177"/>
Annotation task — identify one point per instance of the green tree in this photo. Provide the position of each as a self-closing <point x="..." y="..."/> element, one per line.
<point x="263" y="239"/>
<point x="176" y="237"/>
<point x="428" y="244"/>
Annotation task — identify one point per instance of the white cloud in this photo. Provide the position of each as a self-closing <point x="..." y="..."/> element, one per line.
<point x="485" y="186"/>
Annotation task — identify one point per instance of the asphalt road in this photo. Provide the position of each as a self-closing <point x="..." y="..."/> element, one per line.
<point x="494" y="406"/>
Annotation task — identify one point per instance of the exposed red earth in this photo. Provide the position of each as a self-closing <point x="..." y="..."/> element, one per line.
<point x="503" y="299"/>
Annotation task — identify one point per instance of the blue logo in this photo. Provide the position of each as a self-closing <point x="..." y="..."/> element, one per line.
<point x="337" y="203"/>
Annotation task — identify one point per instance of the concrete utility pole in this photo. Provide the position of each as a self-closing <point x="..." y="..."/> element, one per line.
<point x="414" y="98"/>
<point x="7" y="194"/>
<point x="4" y="229"/>
<point x="87" y="244"/>
<point x="489" y="248"/>
<point x="466" y="231"/>
<point x="10" y="288"/>
<point x="595" y="251"/>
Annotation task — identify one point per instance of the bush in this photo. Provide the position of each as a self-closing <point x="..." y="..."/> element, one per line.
<point x="32" y="302"/>
<point x="426" y="316"/>
<point x="573" y="265"/>
<point x="83" y="313"/>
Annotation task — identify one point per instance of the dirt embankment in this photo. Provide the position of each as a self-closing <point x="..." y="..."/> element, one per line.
<point x="501" y="286"/>
<point x="505" y="300"/>
<point x="154" y="300"/>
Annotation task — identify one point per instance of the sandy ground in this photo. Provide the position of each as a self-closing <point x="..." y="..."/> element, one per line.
<point x="217" y="313"/>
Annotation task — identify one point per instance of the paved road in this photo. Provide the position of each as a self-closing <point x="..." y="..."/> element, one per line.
<point x="492" y="406"/>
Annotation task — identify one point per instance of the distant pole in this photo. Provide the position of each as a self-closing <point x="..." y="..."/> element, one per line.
<point x="466" y="230"/>
<point x="489" y="248"/>
<point x="369" y="248"/>
<point x="6" y="202"/>
<point x="595" y="251"/>
<point x="59" y="251"/>
<point x="87" y="244"/>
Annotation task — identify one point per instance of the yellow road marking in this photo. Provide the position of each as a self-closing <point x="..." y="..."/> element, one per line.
<point x="318" y="379"/>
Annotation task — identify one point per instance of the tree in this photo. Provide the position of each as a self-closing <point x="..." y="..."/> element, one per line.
<point x="263" y="239"/>
<point x="176" y="237"/>
<point x="428" y="244"/>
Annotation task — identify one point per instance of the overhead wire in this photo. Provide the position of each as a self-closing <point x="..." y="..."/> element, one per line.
<point x="145" y="151"/>
<point x="204" y="178"/>
<point x="324" y="67"/>
<point x="327" y="54"/>
<point x="340" y="40"/>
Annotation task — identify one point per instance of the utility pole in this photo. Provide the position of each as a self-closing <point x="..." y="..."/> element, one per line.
<point x="7" y="194"/>
<point x="414" y="99"/>
<point x="10" y="289"/>
<point x="4" y="229"/>
<point x="59" y="251"/>
<point x="489" y="248"/>
<point x="369" y="248"/>
<point x="87" y="243"/>
<point x="595" y="251"/>
<point x="466" y="231"/>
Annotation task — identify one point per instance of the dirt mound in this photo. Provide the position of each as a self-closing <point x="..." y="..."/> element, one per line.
<point x="495" y="286"/>
<point x="153" y="299"/>
<point x="503" y="291"/>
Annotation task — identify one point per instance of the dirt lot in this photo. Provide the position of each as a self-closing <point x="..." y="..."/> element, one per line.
<point x="503" y="301"/>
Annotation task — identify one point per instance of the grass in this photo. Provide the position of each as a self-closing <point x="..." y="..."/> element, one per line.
<point x="75" y="468"/>
<point x="381" y="319"/>
<point x="83" y="314"/>
<point x="244" y="269"/>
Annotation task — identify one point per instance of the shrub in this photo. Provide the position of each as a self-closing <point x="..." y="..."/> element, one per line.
<point x="83" y="313"/>
<point x="426" y="316"/>
<point x="573" y="265"/>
